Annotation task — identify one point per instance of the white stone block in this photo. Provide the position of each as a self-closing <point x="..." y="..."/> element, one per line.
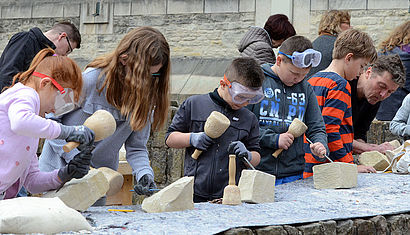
<point x="246" y="5"/>
<point x="257" y="186"/>
<point x="375" y="159"/>
<point x="221" y="6"/>
<point x="347" y="4"/>
<point x="80" y="194"/>
<point x="335" y="175"/>
<point x="177" y="196"/>
<point x="191" y="6"/>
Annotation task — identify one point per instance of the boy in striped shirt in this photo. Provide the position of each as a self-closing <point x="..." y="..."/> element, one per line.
<point x="353" y="50"/>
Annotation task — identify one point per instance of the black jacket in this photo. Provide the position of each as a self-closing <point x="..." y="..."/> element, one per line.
<point x="19" y="53"/>
<point x="211" y="168"/>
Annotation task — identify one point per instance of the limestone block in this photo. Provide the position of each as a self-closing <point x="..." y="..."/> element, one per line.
<point x="375" y="159"/>
<point x="81" y="193"/>
<point x="395" y="143"/>
<point x="177" y="196"/>
<point x="335" y="175"/>
<point x="122" y="154"/>
<point x="257" y="186"/>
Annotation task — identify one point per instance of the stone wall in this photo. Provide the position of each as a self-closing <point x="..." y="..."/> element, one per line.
<point x="390" y="224"/>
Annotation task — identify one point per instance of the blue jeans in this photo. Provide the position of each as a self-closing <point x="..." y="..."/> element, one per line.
<point x="22" y="192"/>
<point x="288" y="179"/>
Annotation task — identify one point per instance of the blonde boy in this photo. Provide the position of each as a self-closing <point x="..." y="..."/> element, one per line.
<point x="353" y="50"/>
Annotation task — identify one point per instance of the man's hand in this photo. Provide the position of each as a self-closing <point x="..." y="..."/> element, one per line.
<point x="365" y="169"/>
<point x="318" y="149"/>
<point x="200" y="141"/>
<point x="285" y="140"/>
<point x="240" y="150"/>
<point x="78" y="167"/>
<point x="384" y="147"/>
<point x="144" y="185"/>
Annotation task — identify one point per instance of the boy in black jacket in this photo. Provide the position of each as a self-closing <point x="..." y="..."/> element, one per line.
<point x="240" y="86"/>
<point x="289" y="96"/>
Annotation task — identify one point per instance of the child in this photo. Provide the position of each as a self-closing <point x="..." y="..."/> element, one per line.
<point x="132" y="83"/>
<point x="353" y="50"/>
<point x="47" y="82"/>
<point x="288" y="96"/>
<point x="240" y="86"/>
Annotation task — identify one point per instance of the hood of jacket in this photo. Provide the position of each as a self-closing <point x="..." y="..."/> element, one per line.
<point x="255" y="34"/>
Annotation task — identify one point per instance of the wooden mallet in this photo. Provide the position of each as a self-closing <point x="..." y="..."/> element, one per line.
<point x="296" y="128"/>
<point x="215" y="125"/>
<point x="101" y="122"/>
<point x="232" y="193"/>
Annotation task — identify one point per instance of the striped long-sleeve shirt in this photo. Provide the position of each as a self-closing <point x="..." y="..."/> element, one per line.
<point x="333" y="94"/>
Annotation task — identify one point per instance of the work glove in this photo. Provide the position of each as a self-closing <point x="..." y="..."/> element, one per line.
<point x="240" y="150"/>
<point x="80" y="134"/>
<point x="144" y="185"/>
<point x="200" y="141"/>
<point x="78" y="167"/>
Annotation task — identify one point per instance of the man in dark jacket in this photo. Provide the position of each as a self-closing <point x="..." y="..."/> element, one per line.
<point x="63" y="37"/>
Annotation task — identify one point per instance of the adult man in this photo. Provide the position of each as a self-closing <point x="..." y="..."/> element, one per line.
<point x="375" y="84"/>
<point x="63" y="37"/>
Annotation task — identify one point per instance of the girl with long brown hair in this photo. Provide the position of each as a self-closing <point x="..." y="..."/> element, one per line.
<point x="132" y="83"/>
<point x="23" y="106"/>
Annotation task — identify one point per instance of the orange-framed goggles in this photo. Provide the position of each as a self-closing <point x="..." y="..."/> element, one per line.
<point x="55" y="83"/>
<point x="64" y="101"/>
<point x="241" y="94"/>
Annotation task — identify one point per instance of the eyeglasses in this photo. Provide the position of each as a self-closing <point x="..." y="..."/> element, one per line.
<point x="69" y="45"/>
<point x="155" y="75"/>
<point x="55" y="83"/>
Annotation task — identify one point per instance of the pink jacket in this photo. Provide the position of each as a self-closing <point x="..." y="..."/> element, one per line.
<point x="20" y="130"/>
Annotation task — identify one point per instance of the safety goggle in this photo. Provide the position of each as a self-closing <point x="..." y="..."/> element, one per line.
<point x="305" y="59"/>
<point x="241" y="94"/>
<point x="64" y="102"/>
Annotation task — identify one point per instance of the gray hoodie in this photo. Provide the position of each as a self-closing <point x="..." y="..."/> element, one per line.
<point x="257" y="44"/>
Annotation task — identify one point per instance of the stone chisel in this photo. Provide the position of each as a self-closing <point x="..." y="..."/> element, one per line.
<point x="245" y="158"/>
<point x="326" y="156"/>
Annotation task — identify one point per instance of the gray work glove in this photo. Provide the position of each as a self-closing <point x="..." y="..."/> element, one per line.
<point x="78" y="167"/>
<point x="80" y="134"/>
<point x="144" y="185"/>
<point x="240" y="150"/>
<point x="200" y="141"/>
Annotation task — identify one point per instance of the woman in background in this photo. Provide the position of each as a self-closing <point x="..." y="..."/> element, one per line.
<point x="331" y="24"/>
<point x="258" y="42"/>
<point x="397" y="43"/>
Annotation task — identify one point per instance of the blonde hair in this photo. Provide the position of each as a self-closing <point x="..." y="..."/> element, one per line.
<point x="400" y="36"/>
<point x="61" y="68"/>
<point x="354" y="41"/>
<point x="131" y="88"/>
<point x="331" y="20"/>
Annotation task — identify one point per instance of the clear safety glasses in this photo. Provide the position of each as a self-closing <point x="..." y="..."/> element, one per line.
<point x="241" y="94"/>
<point x="305" y="59"/>
<point x="64" y="102"/>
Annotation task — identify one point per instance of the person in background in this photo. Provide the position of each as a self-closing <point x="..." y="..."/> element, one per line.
<point x="398" y="43"/>
<point x="240" y="86"/>
<point x="400" y="125"/>
<point x="258" y="42"/>
<point x="63" y="37"/>
<point x="289" y="96"/>
<point x="132" y="83"/>
<point x="377" y="82"/>
<point x="33" y="93"/>
<point x="331" y="24"/>
<point x="352" y="52"/>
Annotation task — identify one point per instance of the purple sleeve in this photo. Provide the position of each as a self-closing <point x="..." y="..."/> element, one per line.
<point x="38" y="181"/>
